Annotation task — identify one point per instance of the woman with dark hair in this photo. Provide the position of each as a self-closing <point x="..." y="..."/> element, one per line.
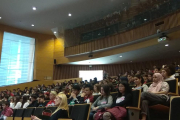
<point x="102" y="102"/>
<point x="139" y="81"/>
<point x="25" y="102"/>
<point x="123" y="99"/>
<point x="167" y="74"/>
<point x="17" y="103"/>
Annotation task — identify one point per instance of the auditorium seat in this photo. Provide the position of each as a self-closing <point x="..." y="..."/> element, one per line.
<point x="70" y="109"/>
<point x="19" y="113"/>
<point x="28" y="112"/>
<point x="95" y="97"/>
<point x="174" y="108"/>
<point x="80" y="112"/>
<point x="38" y="111"/>
<point x="163" y="109"/>
<point x="52" y="108"/>
<point x="114" y="95"/>
<point x="133" y="111"/>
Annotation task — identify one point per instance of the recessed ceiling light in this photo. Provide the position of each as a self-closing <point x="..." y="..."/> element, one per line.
<point x="34" y="8"/>
<point x="55" y="32"/>
<point x="145" y="19"/>
<point x="69" y="14"/>
<point x="166" y="45"/>
<point x="120" y="56"/>
<point x="32" y="25"/>
<point x="0" y="17"/>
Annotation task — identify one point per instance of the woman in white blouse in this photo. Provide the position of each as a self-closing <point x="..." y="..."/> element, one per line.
<point x="17" y="103"/>
<point x="25" y="102"/>
<point x="12" y="103"/>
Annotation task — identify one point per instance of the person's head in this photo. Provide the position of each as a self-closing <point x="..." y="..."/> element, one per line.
<point x="41" y="99"/>
<point x="105" y="82"/>
<point x="145" y="77"/>
<point x="88" y="89"/>
<point x="123" y="88"/>
<point x="105" y="90"/>
<point x="12" y="100"/>
<point x="33" y="98"/>
<point x="16" y="99"/>
<point x="157" y="77"/>
<point x="5" y="104"/>
<point x="52" y="95"/>
<point x="97" y="88"/>
<point x="138" y="80"/>
<point x="6" y="98"/>
<point x="46" y="94"/>
<point x="129" y="77"/>
<point x="76" y="89"/>
<point x="165" y="72"/>
<point x="150" y="76"/>
<point x="157" y="70"/>
<point x="61" y="101"/>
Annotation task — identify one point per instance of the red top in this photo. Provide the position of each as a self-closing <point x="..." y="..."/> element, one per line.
<point x="7" y="112"/>
<point x="50" y="103"/>
<point x="91" y="98"/>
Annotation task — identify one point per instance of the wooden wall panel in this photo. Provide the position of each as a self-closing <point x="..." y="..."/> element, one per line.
<point x="72" y="71"/>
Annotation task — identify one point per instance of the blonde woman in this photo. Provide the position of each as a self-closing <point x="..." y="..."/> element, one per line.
<point x="61" y="112"/>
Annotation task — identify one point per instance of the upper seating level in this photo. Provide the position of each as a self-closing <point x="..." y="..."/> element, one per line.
<point x="138" y="27"/>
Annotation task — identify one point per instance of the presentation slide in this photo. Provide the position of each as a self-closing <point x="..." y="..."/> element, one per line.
<point x="91" y="74"/>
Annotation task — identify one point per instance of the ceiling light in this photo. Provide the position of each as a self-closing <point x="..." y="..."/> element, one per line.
<point x="34" y="8"/>
<point x="166" y="45"/>
<point x="55" y="32"/>
<point x="69" y="14"/>
<point x="145" y="19"/>
<point x="120" y="56"/>
<point x="0" y="17"/>
<point x="32" y="25"/>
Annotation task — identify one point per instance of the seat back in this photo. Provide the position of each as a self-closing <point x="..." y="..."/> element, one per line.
<point x="95" y="97"/>
<point x="136" y="97"/>
<point x="113" y="94"/>
<point x="52" y="108"/>
<point x="174" y="108"/>
<point x="148" y="84"/>
<point x="70" y="109"/>
<point x="80" y="112"/>
<point x="38" y="111"/>
<point x="28" y="112"/>
<point x="173" y="86"/>
<point x="19" y="112"/>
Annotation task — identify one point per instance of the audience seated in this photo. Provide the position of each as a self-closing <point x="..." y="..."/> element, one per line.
<point x="157" y="93"/>
<point x="61" y="112"/>
<point x="97" y="93"/>
<point x="102" y="102"/>
<point x="123" y="99"/>
<point x="52" y="98"/>
<point x="139" y="82"/>
<point x="7" y="111"/>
